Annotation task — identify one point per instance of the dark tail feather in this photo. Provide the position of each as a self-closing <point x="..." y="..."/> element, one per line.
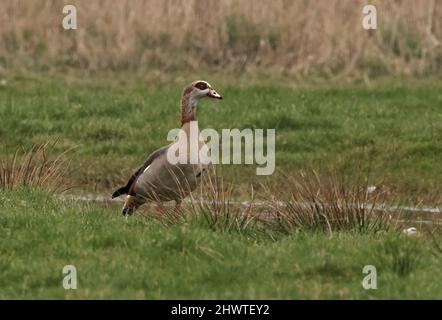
<point x="119" y="192"/>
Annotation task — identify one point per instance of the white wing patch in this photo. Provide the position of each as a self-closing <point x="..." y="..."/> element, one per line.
<point x="146" y="168"/>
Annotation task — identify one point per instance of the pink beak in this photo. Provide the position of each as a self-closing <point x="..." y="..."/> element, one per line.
<point x="213" y="94"/>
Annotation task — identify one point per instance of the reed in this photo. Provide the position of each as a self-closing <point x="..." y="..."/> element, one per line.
<point x="304" y="38"/>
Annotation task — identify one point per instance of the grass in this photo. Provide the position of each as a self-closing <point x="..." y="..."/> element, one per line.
<point x="142" y="258"/>
<point x="390" y="131"/>
<point x="387" y="132"/>
<point x="330" y="205"/>
<point x="34" y="168"/>
<point x="313" y="236"/>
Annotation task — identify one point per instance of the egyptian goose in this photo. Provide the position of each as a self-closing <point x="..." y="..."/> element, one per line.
<point x="160" y="180"/>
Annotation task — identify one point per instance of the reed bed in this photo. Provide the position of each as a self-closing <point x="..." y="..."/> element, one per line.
<point x="304" y="38"/>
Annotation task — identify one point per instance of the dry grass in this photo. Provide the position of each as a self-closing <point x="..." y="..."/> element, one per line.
<point x="304" y="203"/>
<point x="214" y="203"/>
<point x="329" y="204"/>
<point x="296" y="37"/>
<point x="33" y="167"/>
<point x="219" y="209"/>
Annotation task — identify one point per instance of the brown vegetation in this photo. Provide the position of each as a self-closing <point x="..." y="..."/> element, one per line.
<point x="305" y="38"/>
<point x="305" y="202"/>
<point x="34" y="167"/>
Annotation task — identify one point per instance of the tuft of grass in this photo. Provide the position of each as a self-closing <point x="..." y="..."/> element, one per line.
<point x="34" y="167"/>
<point x="311" y="204"/>
<point x="217" y="208"/>
<point x="213" y="207"/>
<point x="327" y="204"/>
<point x="401" y="254"/>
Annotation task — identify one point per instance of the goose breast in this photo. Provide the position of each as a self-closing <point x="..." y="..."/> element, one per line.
<point x="164" y="181"/>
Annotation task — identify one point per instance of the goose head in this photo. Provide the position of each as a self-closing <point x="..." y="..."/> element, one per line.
<point x="195" y="91"/>
<point x="200" y="89"/>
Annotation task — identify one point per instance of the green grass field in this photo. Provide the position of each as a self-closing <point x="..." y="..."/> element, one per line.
<point x="141" y="258"/>
<point x="390" y="131"/>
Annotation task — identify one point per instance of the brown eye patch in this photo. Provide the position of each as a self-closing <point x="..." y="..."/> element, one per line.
<point x="201" y="85"/>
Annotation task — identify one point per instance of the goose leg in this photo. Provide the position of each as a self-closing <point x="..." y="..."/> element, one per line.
<point x="160" y="210"/>
<point x="130" y="205"/>
<point x="177" y="208"/>
<point x="127" y="211"/>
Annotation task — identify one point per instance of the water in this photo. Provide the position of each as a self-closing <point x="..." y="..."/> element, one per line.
<point x="406" y="215"/>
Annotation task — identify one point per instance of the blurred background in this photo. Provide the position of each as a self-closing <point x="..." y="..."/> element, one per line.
<point x="297" y="38"/>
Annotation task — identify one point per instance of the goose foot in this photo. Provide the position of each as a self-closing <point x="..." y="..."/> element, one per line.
<point x="131" y="204"/>
<point x="127" y="211"/>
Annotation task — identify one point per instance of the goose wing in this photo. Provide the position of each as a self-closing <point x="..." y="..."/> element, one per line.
<point x="127" y="189"/>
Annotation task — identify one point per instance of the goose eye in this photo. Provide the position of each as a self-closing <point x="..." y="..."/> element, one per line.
<point x="201" y="85"/>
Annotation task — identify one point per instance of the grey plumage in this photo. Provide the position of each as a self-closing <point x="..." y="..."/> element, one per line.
<point x="159" y="180"/>
<point x="162" y="181"/>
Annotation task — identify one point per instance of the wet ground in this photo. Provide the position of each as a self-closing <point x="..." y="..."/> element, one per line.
<point x="407" y="217"/>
